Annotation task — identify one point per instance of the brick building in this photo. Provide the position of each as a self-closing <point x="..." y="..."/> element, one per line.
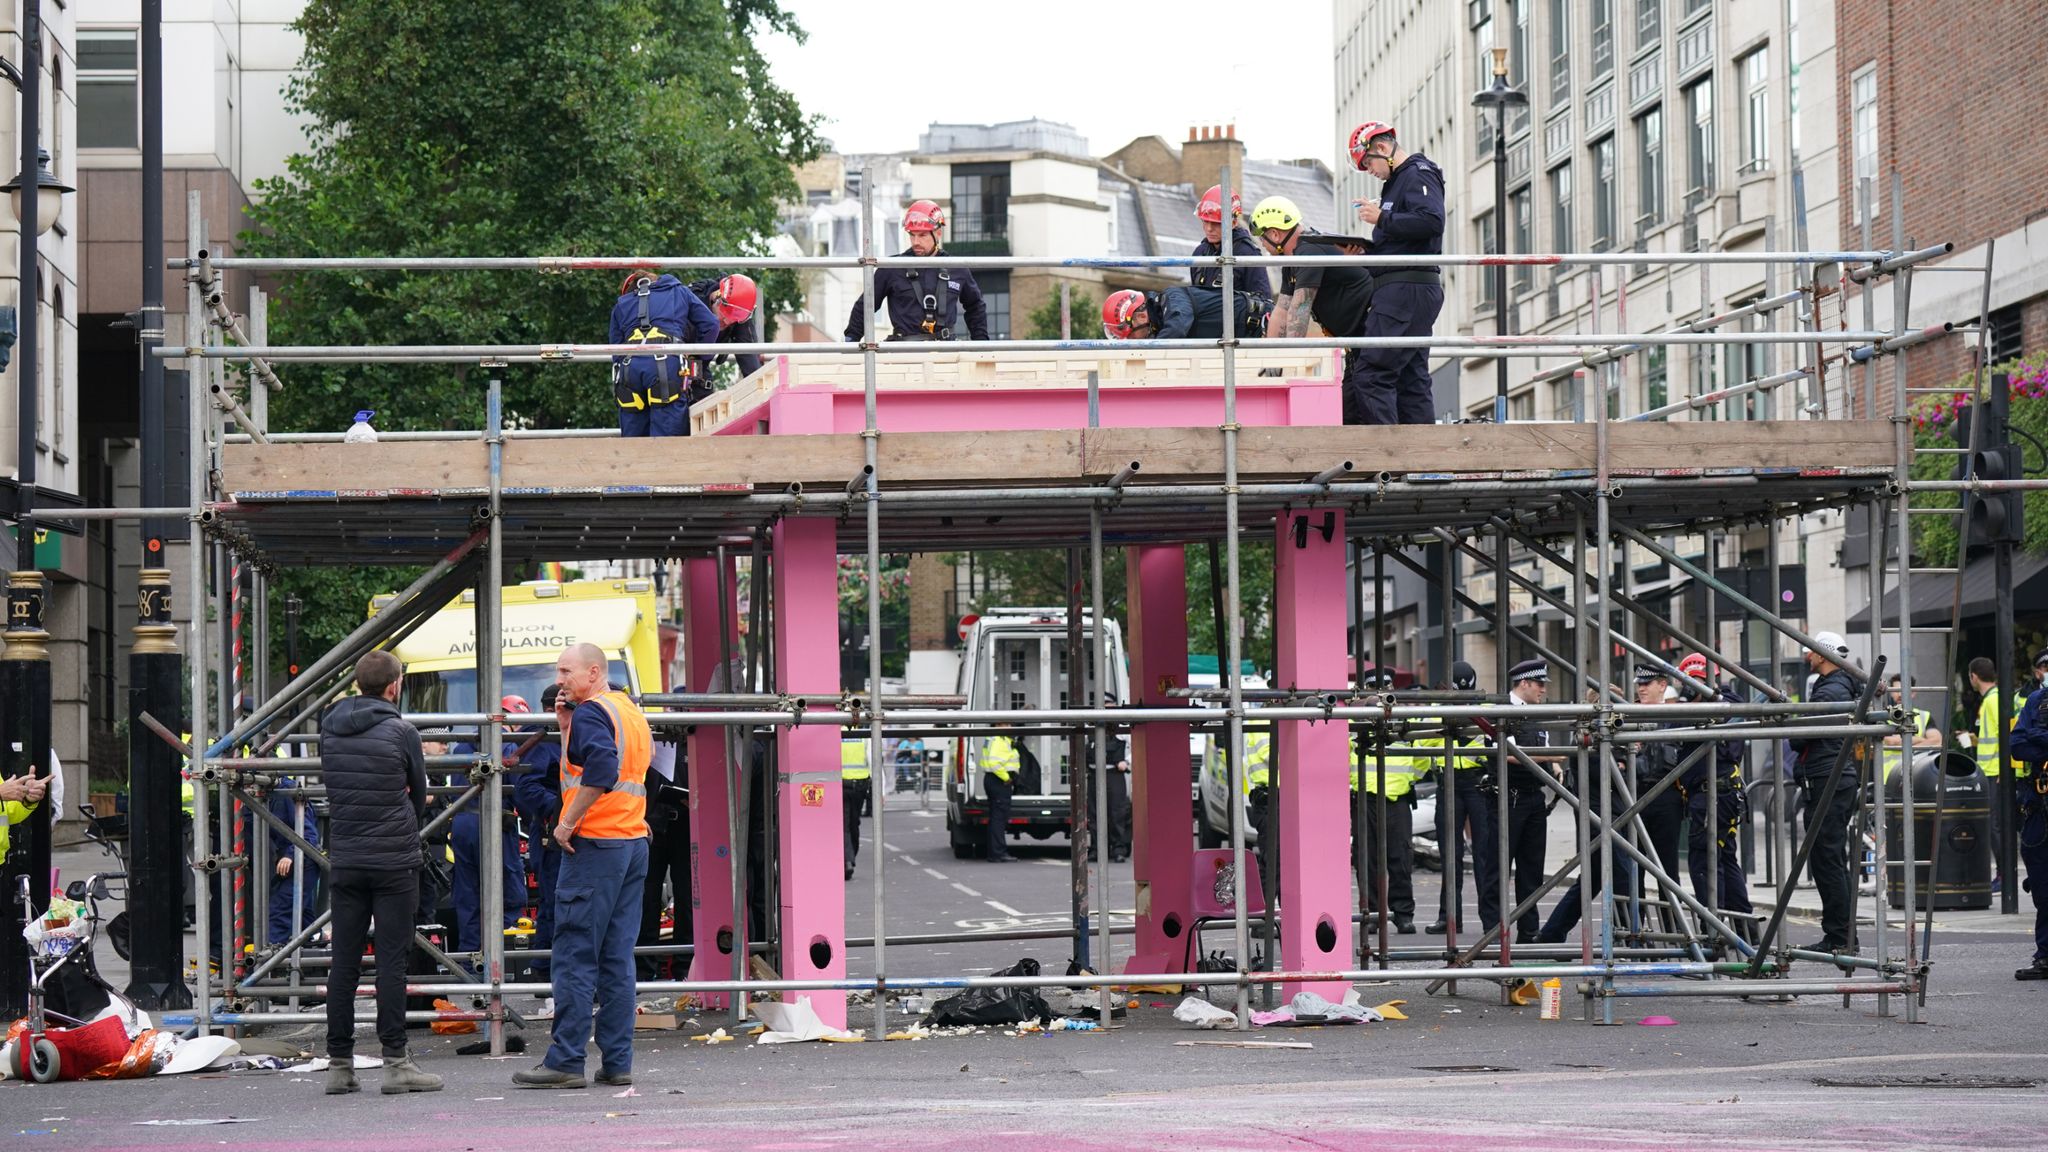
<point x="1954" y="107"/>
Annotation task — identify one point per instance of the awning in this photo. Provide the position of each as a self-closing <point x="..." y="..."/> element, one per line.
<point x="1934" y="597"/>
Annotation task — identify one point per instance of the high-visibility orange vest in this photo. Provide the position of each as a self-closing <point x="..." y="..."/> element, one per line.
<point x="621" y="812"/>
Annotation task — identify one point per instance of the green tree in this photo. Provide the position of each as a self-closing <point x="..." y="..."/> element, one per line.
<point x="605" y="127"/>
<point x="1044" y="321"/>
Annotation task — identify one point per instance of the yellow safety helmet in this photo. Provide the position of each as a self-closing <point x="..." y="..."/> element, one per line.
<point x="1276" y="212"/>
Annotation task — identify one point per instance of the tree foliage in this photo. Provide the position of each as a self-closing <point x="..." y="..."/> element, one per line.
<point x="495" y="128"/>
<point x="1083" y="316"/>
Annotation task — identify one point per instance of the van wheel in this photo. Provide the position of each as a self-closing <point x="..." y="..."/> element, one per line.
<point x="964" y="847"/>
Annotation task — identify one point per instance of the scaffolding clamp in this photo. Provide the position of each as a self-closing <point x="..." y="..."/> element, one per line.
<point x="556" y="353"/>
<point x="556" y="265"/>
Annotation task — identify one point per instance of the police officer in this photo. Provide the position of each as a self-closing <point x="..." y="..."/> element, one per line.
<point x="1243" y="281"/>
<point x="1258" y="800"/>
<point x="1528" y="800"/>
<point x="855" y="781"/>
<point x="1334" y="296"/>
<point x="1725" y="819"/>
<point x="732" y="299"/>
<point x="1813" y="762"/>
<point x="2030" y="787"/>
<point x="1983" y="675"/>
<point x="1407" y="220"/>
<point x="537" y="795"/>
<point x="1000" y="764"/>
<point x="1394" y="812"/>
<point x="1179" y="313"/>
<point x="1926" y="737"/>
<point x="1476" y="796"/>
<point x="1663" y="818"/>
<point x="923" y="303"/>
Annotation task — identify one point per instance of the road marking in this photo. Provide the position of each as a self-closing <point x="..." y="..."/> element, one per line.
<point x="909" y="861"/>
<point x="1054" y="863"/>
<point x="966" y="889"/>
<point x="893" y="848"/>
<point x="1005" y="909"/>
<point x="935" y="874"/>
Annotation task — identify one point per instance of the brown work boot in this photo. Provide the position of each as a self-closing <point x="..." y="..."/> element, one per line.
<point x="341" y="1076"/>
<point x="401" y="1075"/>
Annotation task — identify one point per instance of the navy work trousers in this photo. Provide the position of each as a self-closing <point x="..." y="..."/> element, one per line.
<point x="1391" y="385"/>
<point x="597" y="917"/>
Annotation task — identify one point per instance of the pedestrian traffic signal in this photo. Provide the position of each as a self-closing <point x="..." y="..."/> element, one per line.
<point x="1995" y="517"/>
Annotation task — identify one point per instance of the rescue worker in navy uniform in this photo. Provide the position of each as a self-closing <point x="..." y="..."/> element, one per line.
<point x="1664" y="816"/>
<point x="923" y="303"/>
<point x="1179" y="313"/>
<point x="1477" y="797"/>
<point x="1243" y="281"/>
<point x="1407" y="220"/>
<point x="1726" y="819"/>
<point x="732" y="300"/>
<point x="537" y="794"/>
<point x="2029" y="738"/>
<point x="654" y="392"/>
<point x="1814" y="761"/>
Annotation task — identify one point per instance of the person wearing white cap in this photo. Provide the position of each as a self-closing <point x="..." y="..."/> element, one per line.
<point x="1814" y="762"/>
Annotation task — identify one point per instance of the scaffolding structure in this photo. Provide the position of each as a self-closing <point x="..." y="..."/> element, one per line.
<point x="1597" y="488"/>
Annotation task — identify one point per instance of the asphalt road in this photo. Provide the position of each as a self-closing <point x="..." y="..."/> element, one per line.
<point x="1462" y="1072"/>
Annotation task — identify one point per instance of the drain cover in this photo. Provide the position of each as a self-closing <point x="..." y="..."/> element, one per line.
<point x="1942" y="1081"/>
<point x="1461" y="1068"/>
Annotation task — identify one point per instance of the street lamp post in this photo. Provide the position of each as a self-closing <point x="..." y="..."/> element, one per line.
<point x="1500" y="97"/>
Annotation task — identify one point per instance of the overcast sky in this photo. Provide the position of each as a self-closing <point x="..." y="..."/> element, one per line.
<point x="878" y="74"/>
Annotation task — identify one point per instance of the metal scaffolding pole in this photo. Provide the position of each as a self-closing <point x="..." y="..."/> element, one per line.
<point x="870" y="434"/>
<point x="1233" y="644"/>
<point x="491" y="748"/>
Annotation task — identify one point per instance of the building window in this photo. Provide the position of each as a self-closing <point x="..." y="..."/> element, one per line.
<point x="1518" y="63"/>
<point x="1601" y="19"/>
<point x="1863" y="129"/>
<point x="1649" y="23"/>
<point x="2008" y="335"/>
<point x="1481" y="14"/>
<point x="1656" y="377"/>
<point x="1486" y="246"/>
<point x="1560" y="51"/>
<point x="1792" y="80"/>
<point x="1699" y="142"/>
<point x="1700" y="381"/>
<point x="1743" y="363"/>
<point x="1756" y="110"/>
<point x="1524" y="241"/>
<point x="1561" y="208"/>
<point x="1522" y="408"/>
<point x="1604" y="216"/>
<point x="108" y="84"/>
<point x="1695" y="7"/>
<point x="981" y="204"/>
<point x="995" y="296"/>
<point x="1649" y="170"/>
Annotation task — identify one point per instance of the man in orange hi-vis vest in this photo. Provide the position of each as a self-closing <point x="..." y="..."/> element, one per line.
<point x="603" y="837"/>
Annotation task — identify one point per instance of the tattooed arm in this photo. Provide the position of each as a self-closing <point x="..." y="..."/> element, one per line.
<point x="1291" y="314"/>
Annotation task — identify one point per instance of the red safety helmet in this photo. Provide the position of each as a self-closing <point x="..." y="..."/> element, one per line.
<point x="1211" y="207"/>
<point x="631" y="283"/>
<point x="1362" y="136"/>
<point x="923" y="216"/>
<point x="1695" y="666"/>
<point x="515" y="703"/>
<point x="737" y="295"/>
<point x="1117" y="312"/>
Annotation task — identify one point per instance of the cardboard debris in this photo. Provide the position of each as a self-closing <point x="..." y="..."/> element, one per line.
<point x="1242" y="1044"/>
<point x="655" y="1022"/>
<point x="1391" y="1010"/>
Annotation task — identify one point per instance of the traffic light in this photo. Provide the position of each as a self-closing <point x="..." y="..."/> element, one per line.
<point x="1996" y="517"/>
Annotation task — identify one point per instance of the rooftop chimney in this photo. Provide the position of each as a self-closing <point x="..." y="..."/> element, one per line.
<point x="1206" y="153"/>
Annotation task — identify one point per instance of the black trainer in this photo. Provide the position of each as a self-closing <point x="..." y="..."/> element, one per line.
<point x="2038" y="970"/>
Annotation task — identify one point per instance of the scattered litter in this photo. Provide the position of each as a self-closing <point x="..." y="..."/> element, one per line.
<point x="260" y="1046"/>
<point x="1658" y="1022"/>
<point x="630" y="1091"/>
<point x="1452" y="1011"/>
<point x="509" y="1055"/>
<point x="196" y="1123"/>
<point x="450" y="1027"/>
<point x="1553" y="999"/>
<point x="1462" y="1068"/>
<point x="1523" y="993"/>
<point x="913" y="1032"/>
<point x="488" y="1099"/>
<point x="319" y="1064"/>
<point x="718" y="1036"/>
<point x="655" y="1022"/>
<point x="1242" y="1044"/>
<point x="1309" y="1008"/>
<point x="785" y="1023"/>
<point x="673" y="1092"/>
<point x="1202" y="1014"/>
<point x="1391" y="1010"/>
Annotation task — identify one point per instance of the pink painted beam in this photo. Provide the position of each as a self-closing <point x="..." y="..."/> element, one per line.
<point x="1162" y="843"/>
<point x="710" y="824"/>
<point x="1312" y="760"/>
<point x="812" y="837"/>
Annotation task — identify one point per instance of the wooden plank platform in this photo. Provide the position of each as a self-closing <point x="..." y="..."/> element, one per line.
<point x="1047" y="458"/>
